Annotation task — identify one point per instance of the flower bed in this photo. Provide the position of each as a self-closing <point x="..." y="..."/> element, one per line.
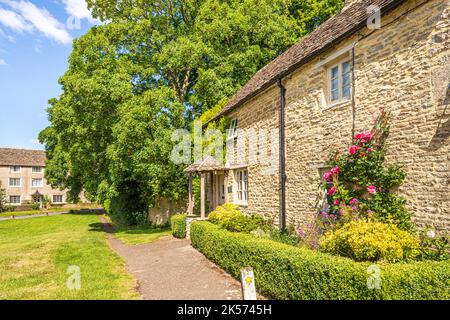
<point x="288" y="272"/>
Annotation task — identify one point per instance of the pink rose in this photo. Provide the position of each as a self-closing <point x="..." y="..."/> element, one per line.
<point x="331" y="191"/>
<point x="370" y="149"/>
<point x="353" y="149"/>
<point x="335" y="170"/>
<point x="363" y="137"/>
<point x="353" y="201"/>
<point x="336" y="202"/>
<point x="327" y="176"/>
<point x="372" y="189"/>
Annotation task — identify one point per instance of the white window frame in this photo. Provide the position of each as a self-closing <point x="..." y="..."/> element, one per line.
<point x="40" y="186"/>
<point x="58" y="195"/>
<point x="340" y="84"/>
<point x="241" y="177"/>
<point x="15" y="203"/>
<point x="12" y="169"/>
<point x="38" y="168"/>
<point x="232" y="130"/>
<point x="15" y="186"/>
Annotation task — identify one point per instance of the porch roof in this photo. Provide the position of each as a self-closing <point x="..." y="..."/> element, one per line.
<point x="210" y="163"/>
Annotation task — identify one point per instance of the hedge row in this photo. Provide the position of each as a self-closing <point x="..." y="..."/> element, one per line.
<point x="178" y="225"/>
<point x="287" y="272"/>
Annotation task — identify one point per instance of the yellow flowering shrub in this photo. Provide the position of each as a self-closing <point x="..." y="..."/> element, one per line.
<point x="226" y="211"/>
<point x="229" y="217"/>
<point x="371" y="241"/>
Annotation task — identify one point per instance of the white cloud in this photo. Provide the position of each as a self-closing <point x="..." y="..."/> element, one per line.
<point x="78" y="9"/>
<point x="13" y="20"/>
<point x="2" y="62"/>
<point x="41" y="20"/>
<point x="35" y="141"/>
<point x="10" y="38"/>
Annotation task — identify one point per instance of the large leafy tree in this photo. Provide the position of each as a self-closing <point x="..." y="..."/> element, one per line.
<point x="151" y="67"/>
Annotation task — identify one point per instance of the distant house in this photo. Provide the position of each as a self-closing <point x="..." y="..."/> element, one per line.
<point x="332" y="84"/>
<point x="22" y="176"/>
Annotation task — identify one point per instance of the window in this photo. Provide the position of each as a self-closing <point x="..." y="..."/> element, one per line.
<point x="339" y="82"/>
<point x="36" y="169"/>
<point x="242" y="186"/>
<point x="15" y="169"/>
<point x="232" y="130"/>
<point x="14" y="199"/>
<point x="57" y="198"/>
<point x="15" y="182"/>
<point x="37" y="183"/>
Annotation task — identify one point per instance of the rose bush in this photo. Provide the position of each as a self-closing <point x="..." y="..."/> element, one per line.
<point x="362" y="184"/>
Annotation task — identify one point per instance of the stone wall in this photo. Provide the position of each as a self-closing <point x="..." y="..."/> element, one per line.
<point x="164" y="209"/>
<point x="403" y="67"/>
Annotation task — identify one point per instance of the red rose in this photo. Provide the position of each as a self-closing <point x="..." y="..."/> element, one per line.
<point x="331" y="191"/>
<point x="372" y="189"/>
<point x="353" y="149"/>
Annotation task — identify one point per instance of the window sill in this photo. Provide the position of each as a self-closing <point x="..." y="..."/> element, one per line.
<point x="241" y="204"/>
<point x="335" y="105"/>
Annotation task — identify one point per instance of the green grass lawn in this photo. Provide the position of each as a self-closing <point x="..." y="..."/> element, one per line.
<point x="33" y="212"/>
<point x="140" y="235"/>
<point x="35" y="255"/>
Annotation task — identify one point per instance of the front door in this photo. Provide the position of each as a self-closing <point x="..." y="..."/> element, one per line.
<point x="37" y="199"/>
<point x="220" y="189"/>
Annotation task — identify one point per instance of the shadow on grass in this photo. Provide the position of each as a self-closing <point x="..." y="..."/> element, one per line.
<point x="86" y="212"/>
<point x="143" y="230"/>
<point x="100" y="227"/>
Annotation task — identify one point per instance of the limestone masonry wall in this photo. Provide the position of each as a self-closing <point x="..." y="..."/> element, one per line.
<point x="403" y="67"/>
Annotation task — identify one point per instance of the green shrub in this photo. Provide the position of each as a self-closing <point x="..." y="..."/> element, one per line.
<point x="35" y="206"/>
<point x="371" y="241"/>
<point x="126" y="209"/>
<point x="231" y="218"/>
<point x="287" y="272"/>
<point x="434" y="246"/>
<point x="178" y="225"/>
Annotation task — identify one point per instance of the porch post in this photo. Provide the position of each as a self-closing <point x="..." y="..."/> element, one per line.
<point x="225" y="186"/>
<point x="191" y="196"/>
<point x="211" y="192"/>
<point x="202" y="196"/>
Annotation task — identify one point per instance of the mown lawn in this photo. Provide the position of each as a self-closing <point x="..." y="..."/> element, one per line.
<point x="35" y="255"/>
<point x="140" y="235"/>
<point x="33" y="212"/>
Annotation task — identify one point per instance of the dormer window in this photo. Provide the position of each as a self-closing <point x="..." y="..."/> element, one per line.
<point x="36" y="169"/>
<point x="15" y="169"/>
<point x="339" y="83"/>
<point x="232" y="130"/>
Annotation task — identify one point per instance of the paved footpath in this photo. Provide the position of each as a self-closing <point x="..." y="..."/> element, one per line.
<point x="171" y="269"/>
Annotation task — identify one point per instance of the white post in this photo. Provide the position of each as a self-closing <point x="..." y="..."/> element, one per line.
<point x="248" y="284"/>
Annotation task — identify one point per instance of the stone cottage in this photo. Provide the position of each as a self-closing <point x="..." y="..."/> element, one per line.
<point x="22" y="175"/>
<point x="373" y="53"/>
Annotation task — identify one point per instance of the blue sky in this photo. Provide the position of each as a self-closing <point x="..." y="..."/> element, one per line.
<point x="35" y="42"/>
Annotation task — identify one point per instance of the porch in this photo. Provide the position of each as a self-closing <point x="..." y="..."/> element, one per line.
<point x="213" y="181"/>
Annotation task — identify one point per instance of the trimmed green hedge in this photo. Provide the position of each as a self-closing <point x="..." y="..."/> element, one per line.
<point x="287" y="272"/>
<point x="178" y="225"/>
